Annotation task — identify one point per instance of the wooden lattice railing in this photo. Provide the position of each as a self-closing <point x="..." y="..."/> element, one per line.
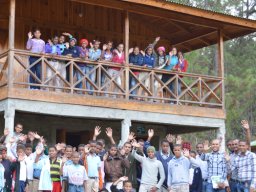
<point x="148" y="86"/>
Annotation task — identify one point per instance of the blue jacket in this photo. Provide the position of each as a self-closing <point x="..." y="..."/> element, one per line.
<point x="136" y="59"/>
<point x="197" y="183"/>
<point x="72" y="50"/>
<point x="149" y="60"/>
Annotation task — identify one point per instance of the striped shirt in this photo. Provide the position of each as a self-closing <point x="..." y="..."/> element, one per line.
<point x="246" y="167"/>
<point x="217" y="165"/>
<point x="55" y="170"/>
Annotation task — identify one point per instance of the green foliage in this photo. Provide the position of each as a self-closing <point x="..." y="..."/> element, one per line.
<point x="240" y="67"/>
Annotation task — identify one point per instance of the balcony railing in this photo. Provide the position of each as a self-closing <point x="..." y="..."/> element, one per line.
<point x="148" y="86"/>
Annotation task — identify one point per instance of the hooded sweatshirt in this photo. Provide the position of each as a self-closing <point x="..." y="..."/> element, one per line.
<point x="150" y="170"/>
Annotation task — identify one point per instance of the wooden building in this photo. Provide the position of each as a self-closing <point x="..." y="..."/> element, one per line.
<point x="199" y="107"/>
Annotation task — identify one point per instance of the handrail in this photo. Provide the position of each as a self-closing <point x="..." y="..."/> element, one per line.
<point x="112" y="64"/>
<point x="148" y="85"/>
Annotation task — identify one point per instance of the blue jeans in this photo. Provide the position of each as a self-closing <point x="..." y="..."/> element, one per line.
<point x="209" y="188"/>
<point x="92" y="76"/>
<point x="243" y="186"/>
<point x="36" y="70"/>
<point x="22" y="185"/>
<point x="233" y="186"/>
<point x="205" y="183"/>
<point x="133" y="82"/>
<point x="75" y="188"/>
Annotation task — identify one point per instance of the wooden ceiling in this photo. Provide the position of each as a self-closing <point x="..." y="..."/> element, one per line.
<point x="185" y="27"/>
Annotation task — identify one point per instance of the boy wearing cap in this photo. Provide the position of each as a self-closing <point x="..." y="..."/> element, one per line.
<point x="84" y="53"/>
<point x="151" y="168"/>
<point x="72" y="51"/>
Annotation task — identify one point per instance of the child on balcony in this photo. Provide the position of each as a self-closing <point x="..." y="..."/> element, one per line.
<point x="114" y="72"/>
<point x="137" y="59"/>
<point x="52" y="47"/>
<point x="172" y="62"/>
<point x="94" y="55"/>
<point x="84" y="53"/>
<point x="106" y="55"/>
<point x="160" y="63"/>
<point x="149" y="62"/>
<point x="182" y="67"/>
<point x="35" y="45"/>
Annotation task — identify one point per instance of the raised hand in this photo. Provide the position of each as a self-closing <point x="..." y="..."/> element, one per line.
<point x="171" y="53"/>
<point x="157" y="39"/>
<point x="67" y="45"/>
<point x="227" y="157"/>
<point x="87" y="149"/>
<point x="131" y="50"/>
<point x="109" y="132"/>
<point x="39" y="150"/>
<point x="36" y="135"/>
<point x="58" y="147"/>
<point x="66" y="34"/>
<point x="50" y="42"/>
<point x="142" y="52"/>
<point x="186" y="153"/>
<point x="104" y="47"/>
<point x="151" y="133"/>
<point x="135" y="144"/>
<point x="170" y="138"/>
<point x="22" y="137"/>
<point x="105" y="157"/>
<point x="179" y="140"/>
<point x="245" y="124"/>
<point x="21" y="158"/>
<point x="124" y="178"/>
<point x="91" y="45"/>
<point x="131" y="136"/>
<point x="97" y="131"/>
<point x="6" y="132"/>
<point x="30" y="36"/>
<point x="206" y="145"/>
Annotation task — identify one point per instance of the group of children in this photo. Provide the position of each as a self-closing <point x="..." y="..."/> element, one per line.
<point x="28" y="164"/>
<point x="85" y="51"/>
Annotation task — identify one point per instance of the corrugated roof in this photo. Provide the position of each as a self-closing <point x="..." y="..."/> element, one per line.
<point x="180" y="2"/>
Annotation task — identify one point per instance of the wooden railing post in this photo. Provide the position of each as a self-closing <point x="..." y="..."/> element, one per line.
<point x="11" y="43"/>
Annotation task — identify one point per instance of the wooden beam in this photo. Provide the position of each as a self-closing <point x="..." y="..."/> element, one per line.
<point x="193" y="11"/>
<point x="123" y="104"/>
<point x="12" y="24"/>
<point x="220" y="54"/>
<point x="126" y="35"/>
<point x="11" y="43"/>
<point x="221" y="73"/>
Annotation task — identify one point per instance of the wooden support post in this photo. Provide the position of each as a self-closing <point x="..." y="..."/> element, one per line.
<point x="11" y="43"/>
<point x="221" y="64"/>
<point x="126" y="40"/>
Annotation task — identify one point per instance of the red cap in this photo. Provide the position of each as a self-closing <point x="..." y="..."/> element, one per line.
<point x="84" y="41"/>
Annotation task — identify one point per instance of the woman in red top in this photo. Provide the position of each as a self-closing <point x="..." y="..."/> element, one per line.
<point x="114" y="72"/>
<point x="181" y="67"/>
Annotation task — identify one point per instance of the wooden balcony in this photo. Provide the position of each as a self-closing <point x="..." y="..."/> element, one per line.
<point x="200" y="95"/>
